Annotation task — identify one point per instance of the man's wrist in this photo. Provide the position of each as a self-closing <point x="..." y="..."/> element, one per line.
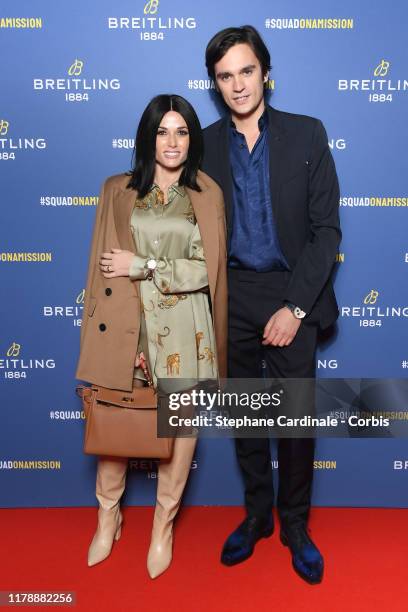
<point x="297" y="312"/>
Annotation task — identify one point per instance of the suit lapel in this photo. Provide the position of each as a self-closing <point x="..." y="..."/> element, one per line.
<point x="206" y="215"/>
<point x="225" y="166"/>
<point x="276" y="146"/>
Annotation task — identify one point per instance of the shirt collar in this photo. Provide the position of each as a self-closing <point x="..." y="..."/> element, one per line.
<point x="174" y="186"/>
<point x="179" y="188"/>
<point x="263" y="121"/>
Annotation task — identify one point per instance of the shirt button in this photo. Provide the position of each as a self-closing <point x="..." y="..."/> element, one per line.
<point x="156" y="242"/>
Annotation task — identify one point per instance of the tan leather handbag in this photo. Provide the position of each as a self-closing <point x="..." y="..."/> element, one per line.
<point x="122" y="424"/>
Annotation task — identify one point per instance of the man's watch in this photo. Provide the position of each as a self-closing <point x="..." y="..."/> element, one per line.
<point x="150" y="265"/>
<point x="295" y="310"/>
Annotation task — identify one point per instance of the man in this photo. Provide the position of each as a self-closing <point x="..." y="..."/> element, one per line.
<point x="282" y="198"/>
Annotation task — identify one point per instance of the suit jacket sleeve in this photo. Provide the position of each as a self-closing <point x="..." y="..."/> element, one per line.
<point x="313" y="267"/>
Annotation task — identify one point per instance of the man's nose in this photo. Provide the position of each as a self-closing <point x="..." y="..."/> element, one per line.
<point x="238" y="84"/>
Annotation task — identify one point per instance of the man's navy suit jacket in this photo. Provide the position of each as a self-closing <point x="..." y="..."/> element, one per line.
<point x="305" y="202"/>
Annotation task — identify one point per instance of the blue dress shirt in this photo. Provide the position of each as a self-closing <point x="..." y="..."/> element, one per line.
<point x="253" y="241"/>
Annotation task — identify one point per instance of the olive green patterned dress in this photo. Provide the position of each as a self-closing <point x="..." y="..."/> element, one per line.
<point x="176" y="333"/>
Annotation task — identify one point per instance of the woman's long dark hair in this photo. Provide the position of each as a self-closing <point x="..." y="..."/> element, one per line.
<point x="144" y="152"/>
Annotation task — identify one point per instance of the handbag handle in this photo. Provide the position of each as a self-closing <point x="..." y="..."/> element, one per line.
<point x="139" y="398"/>
<point x="146" y="372"/>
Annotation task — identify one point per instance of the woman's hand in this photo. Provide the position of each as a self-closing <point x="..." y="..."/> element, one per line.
<point x="116" y="263"/>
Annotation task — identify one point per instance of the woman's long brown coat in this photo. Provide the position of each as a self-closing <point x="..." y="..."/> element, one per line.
<point x="111" y="315"/>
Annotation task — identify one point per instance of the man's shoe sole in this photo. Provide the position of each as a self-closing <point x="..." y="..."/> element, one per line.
<point x="266" y="534"/>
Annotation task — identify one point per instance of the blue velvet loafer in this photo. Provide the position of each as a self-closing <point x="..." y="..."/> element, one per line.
<point x="306" y="558"/>
<point x="241" y="543"/>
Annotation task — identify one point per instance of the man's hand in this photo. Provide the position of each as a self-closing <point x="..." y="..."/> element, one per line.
<point x="116" y="263"/>
<point x="281" y="328"/>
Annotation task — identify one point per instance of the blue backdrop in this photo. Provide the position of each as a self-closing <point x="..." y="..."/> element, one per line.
<point x="75" y="77"/>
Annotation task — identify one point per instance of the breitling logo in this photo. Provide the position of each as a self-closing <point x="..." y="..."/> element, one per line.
<point x="14" y="350"/>
<point x="10" y="146"/>
<point x="371" y="297"/>
<point x="382" y="68"/>
<point x="372" y="315"/>
<point x="151" y="26"/>
<point x="76" y="68"/>
<point x="380" y="87"/>
<point x="4" y="126"/>
<point x="72" y="313"/>
<point x="151" y="7"/>
<point x="17" y="367"/>
<point x="77" y="88"/>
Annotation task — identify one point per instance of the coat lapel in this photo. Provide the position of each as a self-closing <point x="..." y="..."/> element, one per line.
<point x="225" y="166"/>
<point x="122" y="211"/>
<point x="123" y="208"/>
<point x="206" y="215"/>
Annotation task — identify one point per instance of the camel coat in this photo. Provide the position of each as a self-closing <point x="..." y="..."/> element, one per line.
<point x="111" y="315"/>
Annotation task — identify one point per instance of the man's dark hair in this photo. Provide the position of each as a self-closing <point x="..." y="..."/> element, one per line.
<point x="224" y="40"/>
<point x="144" y="152"/>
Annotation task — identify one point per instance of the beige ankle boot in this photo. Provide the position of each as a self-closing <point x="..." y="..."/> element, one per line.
<point x="173" y="476"/>
<point x="110" y="484"/>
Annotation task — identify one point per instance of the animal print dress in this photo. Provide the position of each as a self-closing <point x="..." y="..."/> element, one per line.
<point x="176" y="334"/>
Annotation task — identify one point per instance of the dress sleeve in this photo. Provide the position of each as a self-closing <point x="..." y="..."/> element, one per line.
<point x="137" y="270"/>
<point x="183" y="275"/>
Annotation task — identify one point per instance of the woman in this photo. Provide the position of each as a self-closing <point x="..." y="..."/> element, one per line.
<point x="157" y="264"/>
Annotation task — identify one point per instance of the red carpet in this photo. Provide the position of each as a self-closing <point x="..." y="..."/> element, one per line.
<point x="365" y="555"/>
